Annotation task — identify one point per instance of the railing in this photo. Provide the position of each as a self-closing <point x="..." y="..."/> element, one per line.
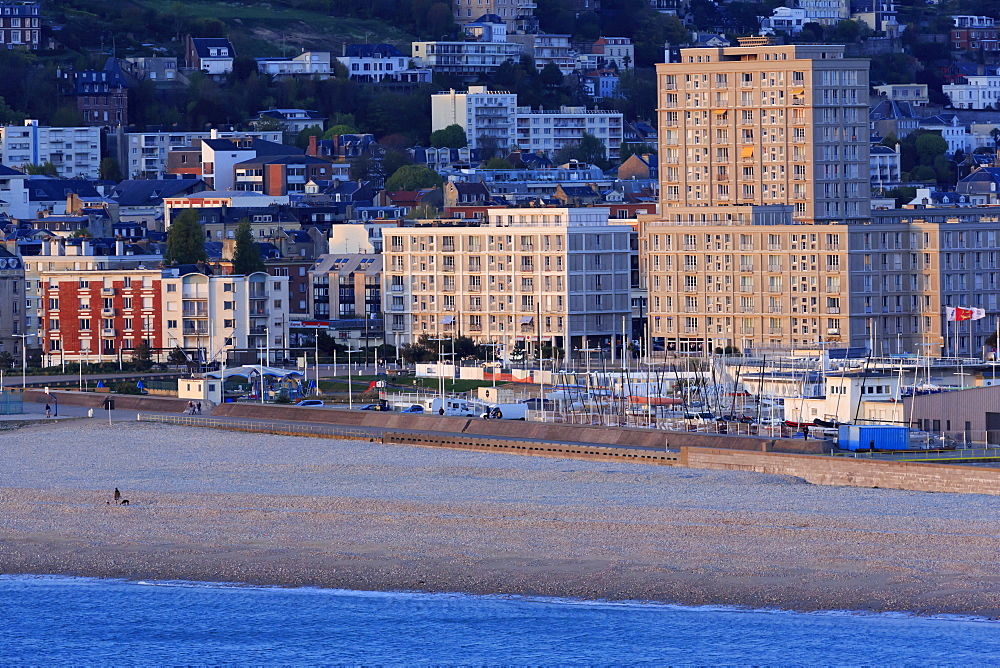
<point x="267" y="427"/>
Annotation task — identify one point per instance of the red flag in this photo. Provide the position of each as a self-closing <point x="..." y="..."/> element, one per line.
<point x="371" y="386"/>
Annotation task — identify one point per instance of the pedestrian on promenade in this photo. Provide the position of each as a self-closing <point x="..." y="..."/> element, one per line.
<point x="199" y="408"/>
<point x="48" y="411"/>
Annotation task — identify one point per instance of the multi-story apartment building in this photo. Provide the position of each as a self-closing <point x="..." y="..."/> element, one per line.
<point x="488" y="117"/>
<point x="102" y="314"/>
<point x="12" y="303"/>
<point x="215" y="316"/>
<point x="975" y="33"/>
<point x="99" y="315"/>
<point x="468" y="60"/>
<point x="515" y="13"/>
<point x="70" y="255"/>
<point x="19" y="25"/>
<point x="281" y="175"/>
<point x="547" y="275"/>
<point x="493" y="120"/>
<point x="75" y="152"/>
<point x="978" y="92"/>
<point x="916" y="94"/>
<point x="766" y="125"/>
<point x="546" y="49"/>
<point x="373" y="63"/>
<point x="826" y="12"/>
<point x="144" y="154"/>
<point x="750" y="279"/>
<point x="742" y="276"/>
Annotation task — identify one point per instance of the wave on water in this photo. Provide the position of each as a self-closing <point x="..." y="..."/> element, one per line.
<point x="545" y="600"/>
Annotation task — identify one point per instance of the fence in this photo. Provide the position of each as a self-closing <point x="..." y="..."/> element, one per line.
<point x="11" y="402"/>
<point x="265" y="426"/>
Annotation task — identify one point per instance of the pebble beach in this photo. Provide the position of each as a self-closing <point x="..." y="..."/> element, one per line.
<point x="211" y="505"/>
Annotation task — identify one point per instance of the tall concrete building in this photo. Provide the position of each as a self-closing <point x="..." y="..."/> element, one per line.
<point x="766" y="125"/>
<point x="557" y="276"/>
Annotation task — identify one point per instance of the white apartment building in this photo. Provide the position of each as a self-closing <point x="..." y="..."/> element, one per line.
<point x="916" y="94"/>
<point x="465" y="59"/>
<point x="486" y="116"/>
<point x="978" y="92"/>
<point x="557" y="276"/>
<point x="494" y="117"/>
<point x="75" y="152"/>
<point x="145" y="153"/>
<point x="373" y="63"/>
<point x="219" y="314"/>
<point x="884" y="167"/>
<point x="306" y="64"/>
<point x="547" y="49"/>
<point x="549" y="130"/>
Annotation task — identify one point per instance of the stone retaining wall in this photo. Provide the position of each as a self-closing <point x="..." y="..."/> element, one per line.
<point x="543" y="431"/>
<point x="851" y="472"/>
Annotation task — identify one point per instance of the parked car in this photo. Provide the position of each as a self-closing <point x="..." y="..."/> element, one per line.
<point x="413" y="409"/>
<point x="310" y="403"/>
<point x="374" y="407"/>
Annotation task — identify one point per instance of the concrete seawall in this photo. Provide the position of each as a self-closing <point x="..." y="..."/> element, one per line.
<point x="542" y="431"/>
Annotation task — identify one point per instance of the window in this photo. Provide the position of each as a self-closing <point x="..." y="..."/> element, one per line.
<point x="171" y="287"/>
<point x="84" y="324"/>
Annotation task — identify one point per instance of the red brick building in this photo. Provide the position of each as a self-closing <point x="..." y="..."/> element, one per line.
<point x="99" y="315"/>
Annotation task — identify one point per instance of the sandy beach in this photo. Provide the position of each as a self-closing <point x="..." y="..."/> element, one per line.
<point x="219" y="506"/>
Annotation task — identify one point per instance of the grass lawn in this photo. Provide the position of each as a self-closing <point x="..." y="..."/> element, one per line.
<point x="300" y="27"/>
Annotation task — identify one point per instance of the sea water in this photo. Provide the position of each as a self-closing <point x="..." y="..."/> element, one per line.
<point x="56" y="620"/>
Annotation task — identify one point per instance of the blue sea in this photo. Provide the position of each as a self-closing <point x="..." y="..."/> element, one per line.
<point x="57" y="620"/>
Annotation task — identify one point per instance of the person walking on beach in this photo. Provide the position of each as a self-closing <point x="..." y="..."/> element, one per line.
<point x="48" y="411"/>
<point x="199" y="408"/>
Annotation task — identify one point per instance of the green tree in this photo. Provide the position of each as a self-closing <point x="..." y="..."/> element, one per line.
<point x="44" y="169"/>
<point x="302" y="139"/>
<point x="589" y="149"/>
<point x="177" y="356"/>
<point x="142" y="356"/>
<point x="8" y="116"/>
<point x="423" y="211"/>
<point x="929" y="145"/>
<point x="413" y="177"/>
<point x="498" y="163"/>
<point x="185" y="240"/>
<point x="339" y="129"/>
<point x="246" y="254"/>
<point x="110" y="170"/>
<point x="393" y="160"/>
<point x="452" y="136"/>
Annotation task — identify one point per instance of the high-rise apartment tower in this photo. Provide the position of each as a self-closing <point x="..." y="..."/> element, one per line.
<point x="766" y="125"/>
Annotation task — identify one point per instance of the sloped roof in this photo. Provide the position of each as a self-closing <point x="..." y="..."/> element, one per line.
<point x="372" y="50"/>
<point x="46" y="188"/>
<point x="152" y="192"/>
<point x="203" y="44"/>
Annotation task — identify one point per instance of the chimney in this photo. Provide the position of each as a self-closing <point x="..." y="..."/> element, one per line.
<point x="214" y="133"/>
<point x="119" y="247"/>
<point x="312" y="146"/>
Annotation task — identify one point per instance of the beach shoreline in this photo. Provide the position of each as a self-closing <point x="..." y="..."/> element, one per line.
<point x="285" y="511"/>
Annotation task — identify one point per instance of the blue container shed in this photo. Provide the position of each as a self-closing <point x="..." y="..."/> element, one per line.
<point x="877" y="436"/>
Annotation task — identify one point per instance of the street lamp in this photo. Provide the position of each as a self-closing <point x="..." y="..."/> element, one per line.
<point x="440" y="372"/>
<point x="350" y="389"/>
<point x="24" y="358"/>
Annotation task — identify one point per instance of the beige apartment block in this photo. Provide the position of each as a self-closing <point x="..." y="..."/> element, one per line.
<point x="557" y="276"/>
<point x="744" y="277"/>
<point x="749" y="278"/>
<point x="766" y="125"/>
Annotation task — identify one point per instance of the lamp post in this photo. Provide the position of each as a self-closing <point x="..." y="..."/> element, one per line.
<point x="440" y="373"/>
<point x="350" y="389"/>
<point x="24" y="358"/>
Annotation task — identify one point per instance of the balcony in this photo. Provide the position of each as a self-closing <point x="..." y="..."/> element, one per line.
<point x="258" y="313"/>
<point x="195" y="331"/>
<point x="195" y="311"/>
<point x="109" y="332"/>
<point x="107" y="292"/>
<point x="258" y="329"/>
<point x="256" y="294"/>
<point x="108" y="312"/>
<point x="395" y="287"/>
